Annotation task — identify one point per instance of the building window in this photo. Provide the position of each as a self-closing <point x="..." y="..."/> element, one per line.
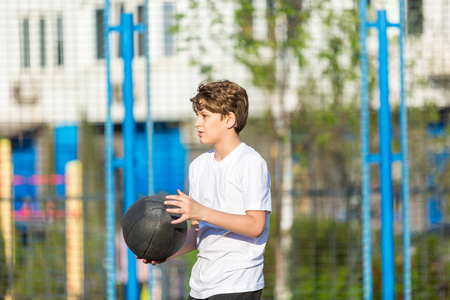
<point x="270" y="15"/>
<point x="414" y="17"/>
<point x="169" y="22"/>
<point x="121" y="11"/>
<point x="99" y="41"/>
<point x="25" y="43"/>
<point x="294" y="15"/>
<point x="42" y="43"/>
<point x="270" y="4"/>
<point x="245" y="18"/>
<point x="59" y="42"/>
<point x="141" y="35"/>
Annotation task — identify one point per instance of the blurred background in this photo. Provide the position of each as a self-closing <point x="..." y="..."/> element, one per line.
<point x="299" y="61"/>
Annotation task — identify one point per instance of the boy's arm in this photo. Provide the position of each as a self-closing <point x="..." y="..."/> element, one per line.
<point x="251" y="224"/>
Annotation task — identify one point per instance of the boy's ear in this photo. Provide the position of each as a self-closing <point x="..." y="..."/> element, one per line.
<point x="231" y="120"/>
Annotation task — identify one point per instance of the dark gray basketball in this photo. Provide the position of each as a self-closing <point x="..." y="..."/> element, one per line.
<point x="148" y="232"/>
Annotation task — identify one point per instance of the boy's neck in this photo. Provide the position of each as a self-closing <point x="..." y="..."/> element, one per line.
<point x="225" y="147"/>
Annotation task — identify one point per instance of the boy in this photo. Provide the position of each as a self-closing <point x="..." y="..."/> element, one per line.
<point x="229" y="200"/>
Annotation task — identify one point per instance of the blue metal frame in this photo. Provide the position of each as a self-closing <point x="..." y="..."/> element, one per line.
<point x="385" y="158"/>
<point x="109" y="170"/>
<point x="385" y="133"/>
<point x="126" y="30"/>
<point x="148" y="121"/>
<point x="405" y="165"/>
<point x="129" y="133"/>
<point x="365" y="167"/>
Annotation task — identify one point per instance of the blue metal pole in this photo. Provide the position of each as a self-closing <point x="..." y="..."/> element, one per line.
<point x="405" y="166"/>
<point x="109" y="170"/>
<point x="129" y="133"/>
<point x="149" y="121"/>
<point x="365" y="167"/>
<point x="387" y="218"/>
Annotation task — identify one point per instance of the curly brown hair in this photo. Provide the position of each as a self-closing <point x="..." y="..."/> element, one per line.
<point x="223" y="97"/>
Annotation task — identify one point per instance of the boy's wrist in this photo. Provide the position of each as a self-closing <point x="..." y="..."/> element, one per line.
<point x="204" y="215"/>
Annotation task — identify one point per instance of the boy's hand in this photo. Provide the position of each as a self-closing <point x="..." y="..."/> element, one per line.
<point x="189" y="209"/>
<point x="153" y="262"/>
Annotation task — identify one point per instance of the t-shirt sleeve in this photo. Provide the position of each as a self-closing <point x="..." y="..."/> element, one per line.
<point x="256" y="185"/>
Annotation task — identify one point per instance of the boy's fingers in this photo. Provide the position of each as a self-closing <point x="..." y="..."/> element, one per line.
<point x="179" y="220"/>
<point x="174" y="210"/>
<point x="173" y="198"/>
<point x="180" y="195"/>
<point x="172" y="202"/>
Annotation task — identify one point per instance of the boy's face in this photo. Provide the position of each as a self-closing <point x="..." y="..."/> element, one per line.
<point x="211" y="127"/>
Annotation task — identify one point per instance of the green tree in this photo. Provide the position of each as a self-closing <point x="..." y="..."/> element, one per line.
<point x="320" y="268"/>
<point x="271" y="61"/>
<point x="323" y="131"/>
<point x="267" y="58"/>
<point x="91" y="149"/>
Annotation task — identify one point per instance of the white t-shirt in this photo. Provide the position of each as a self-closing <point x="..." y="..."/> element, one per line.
<point x="228" y="262"/>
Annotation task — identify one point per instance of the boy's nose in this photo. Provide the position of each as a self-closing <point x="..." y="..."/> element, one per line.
<point x="197" y="123"/>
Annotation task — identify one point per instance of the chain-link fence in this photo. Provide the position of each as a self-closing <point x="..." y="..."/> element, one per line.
<point x="298" y="60"/>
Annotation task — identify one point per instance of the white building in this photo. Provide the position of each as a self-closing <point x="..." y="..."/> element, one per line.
<point x="53" y="69"/>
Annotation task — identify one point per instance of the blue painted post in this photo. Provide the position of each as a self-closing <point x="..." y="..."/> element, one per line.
<point x="385" y="158"/>
<point x="387" y="214"/>
<point x="405" y="165"/>
<point x="129" y="133"/>
<point x="148" y="122"/>
<point x="365" y="167"/>
<point x="126" y="30"/>
<point x="109" y="170"/>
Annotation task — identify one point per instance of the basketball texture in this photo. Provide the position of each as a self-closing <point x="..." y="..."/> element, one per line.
<point x="148" y="232"/>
